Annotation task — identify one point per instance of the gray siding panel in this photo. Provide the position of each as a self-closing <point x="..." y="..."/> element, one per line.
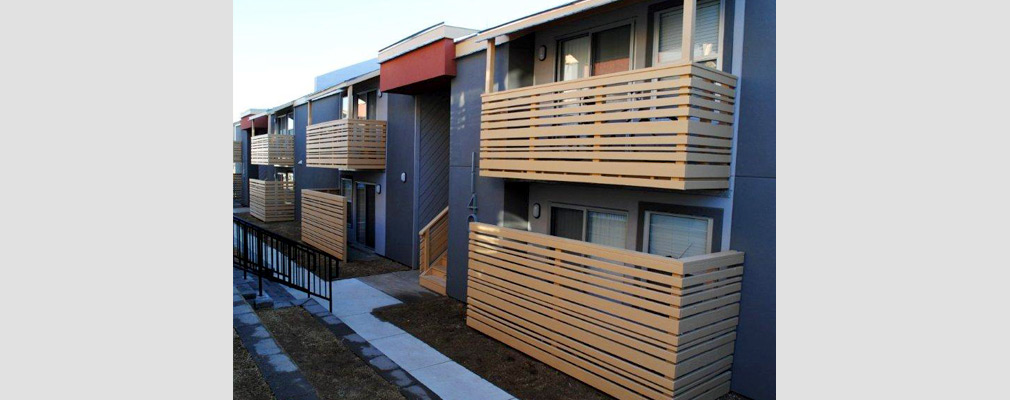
<point x="400" y="233"/>
<point x="305" y="177"/>
<point x="464" y="139"/>
<point x="433" y="171"/>
<point x="753" y="226"/>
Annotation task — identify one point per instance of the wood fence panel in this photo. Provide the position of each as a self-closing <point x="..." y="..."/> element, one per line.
<point x="272" y="201"/>
<point x="631" y="324"/>
<point x="273" y="149"/>
<point x="324" y="221"/>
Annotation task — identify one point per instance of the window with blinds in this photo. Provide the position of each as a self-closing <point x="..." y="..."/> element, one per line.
<point x="677" y="236"/>
<point x="670" y="29"/>
<point x="593" y="226"/>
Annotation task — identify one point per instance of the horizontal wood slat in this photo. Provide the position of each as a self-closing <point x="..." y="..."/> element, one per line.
<point x="631" y="324"/>
<point x="236" y="155"/>
<point x="668" y="127"/>
<point x="324" y="221"/>
<point x="272" y="201"/>
<point x="351" y="144"/>
<point x="273" y="149"/>
<point x="236" y="186"/>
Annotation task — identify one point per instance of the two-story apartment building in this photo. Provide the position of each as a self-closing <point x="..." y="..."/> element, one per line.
<point x="596" y="180"/>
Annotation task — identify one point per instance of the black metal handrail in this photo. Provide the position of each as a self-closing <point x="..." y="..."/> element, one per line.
<point x="269" y="255"/>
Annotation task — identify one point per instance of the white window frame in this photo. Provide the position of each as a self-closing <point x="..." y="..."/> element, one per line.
<point x="722" y="34"/>
<point x="648" y="228"/>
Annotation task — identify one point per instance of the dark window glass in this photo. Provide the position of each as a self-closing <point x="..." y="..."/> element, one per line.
<point x="612" y="50"/>
<point x="566" y="223"/>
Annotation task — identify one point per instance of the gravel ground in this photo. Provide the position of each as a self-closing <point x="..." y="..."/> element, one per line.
<point x="332" y="369"/>
<point x="247" y="382"/>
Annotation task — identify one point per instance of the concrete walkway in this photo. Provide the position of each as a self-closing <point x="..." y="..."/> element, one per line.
<point x="353" y="302"/>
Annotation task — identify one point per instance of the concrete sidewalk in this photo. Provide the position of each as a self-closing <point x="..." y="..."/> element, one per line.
<point x="353" y="302"/>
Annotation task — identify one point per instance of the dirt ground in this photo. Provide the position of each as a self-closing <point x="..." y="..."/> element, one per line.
<point x="441" y="323"/>
<point x="332" y="369"/>
<point x="361" y="263"/>
<point x="247" y="382"/>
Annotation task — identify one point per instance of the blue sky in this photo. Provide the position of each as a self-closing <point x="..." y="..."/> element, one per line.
<point x="280" y="46"/>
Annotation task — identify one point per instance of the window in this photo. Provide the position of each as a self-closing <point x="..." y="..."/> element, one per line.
<point x="602" y="52"/>
<point x="677" y="236"/>
<point x="707" y="33"/>
<point x="589" y="225"/>
<point x="285" y="124"/>
<point x="365" y="103"/>
<point x="344" y="107"/>
<point x="574" y="62"/>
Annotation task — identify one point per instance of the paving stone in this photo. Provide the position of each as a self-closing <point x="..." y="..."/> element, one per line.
<point x="416" y="392"/>
<point x="383" y="363"/>
<point x="245" y="319"/>
<point x="370" y="352"/>
<point x="241" y="309"/>
<point x="340" y="329"/>
<point x="401" y="378"/>
<point x="266" y="347"/>
<point x="280" y="362"/>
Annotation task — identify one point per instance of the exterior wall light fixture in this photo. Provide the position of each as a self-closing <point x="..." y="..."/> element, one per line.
<point x="536" y="210"/>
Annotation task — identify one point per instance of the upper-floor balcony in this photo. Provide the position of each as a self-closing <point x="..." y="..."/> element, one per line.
<point x="667" y="127"/>
<point x="273" y="149"/>
<point x="348" y="144"/>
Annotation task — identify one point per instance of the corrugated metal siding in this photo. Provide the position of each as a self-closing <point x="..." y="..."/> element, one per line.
<point x="433" y="171"/>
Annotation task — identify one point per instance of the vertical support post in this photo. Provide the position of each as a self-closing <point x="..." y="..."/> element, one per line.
<point x="489" y="74"/>
<point x="271" y="126"/>
<point x="309" y="122"/>
<point x="687" y="44"/>
<point x="352" y="106"/>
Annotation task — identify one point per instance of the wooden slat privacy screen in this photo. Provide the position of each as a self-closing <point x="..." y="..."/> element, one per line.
<point x="668" y="127"/>
<point x="272" y="201"/>
<point x="324" y="221"/>
<point x="236" y="186"/>
<point x="273" y="149"/>
<point x="631" y="324"/>
<point x="236" y="153"/>
<point x="351" y="144"/>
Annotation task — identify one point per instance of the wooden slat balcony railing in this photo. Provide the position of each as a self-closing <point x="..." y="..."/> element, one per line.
<point x="236" y="186"/>
<point x="272" y="201"/>
<point x="236" y="152"/>
<point x="348" y="144"/>
<point x="324" y="221"/>
<point x="631" y="324"/>
<point x="273" y="149"/>
<point x="668" y="127"/>
<point x="433" y="243"/>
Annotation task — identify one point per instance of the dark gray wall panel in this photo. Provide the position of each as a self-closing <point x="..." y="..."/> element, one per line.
<point x="400" y="233"/>
<point x="754" y="234"/>
<point x="464" y="138"/>
<point x="305" y="177"/>
<point x="433" y="155"/>
<point x="753" y="226"/>
<point x="756" y="133"/>
<point x="326" y="109"/>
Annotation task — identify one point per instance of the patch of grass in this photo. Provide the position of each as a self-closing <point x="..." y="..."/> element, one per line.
<point x="332" y="369"/>
<point x="247" y="381"/>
